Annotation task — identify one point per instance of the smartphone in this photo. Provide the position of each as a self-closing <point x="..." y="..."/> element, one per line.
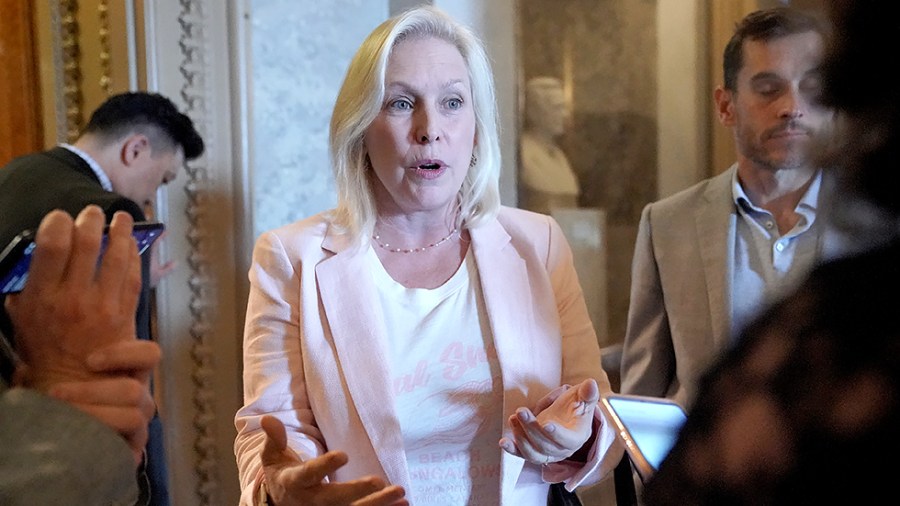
<point x="649" y="427"/>
<point x="16" y="257"/>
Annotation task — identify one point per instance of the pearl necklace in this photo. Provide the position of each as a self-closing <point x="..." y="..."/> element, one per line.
<point x="384" y="245"/>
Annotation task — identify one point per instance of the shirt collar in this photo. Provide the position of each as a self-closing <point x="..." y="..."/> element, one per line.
<point x="810" y="199"/>
<point x="104" y="179"/>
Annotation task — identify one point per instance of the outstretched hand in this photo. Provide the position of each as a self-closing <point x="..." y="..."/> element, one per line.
<point x="291" y="481"/>
<point x="558" y="430"/>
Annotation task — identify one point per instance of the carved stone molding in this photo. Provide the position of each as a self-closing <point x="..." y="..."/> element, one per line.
<point x="194" y="69"/>
<point x="69" y="67"/>
<point x="105" y="47"/>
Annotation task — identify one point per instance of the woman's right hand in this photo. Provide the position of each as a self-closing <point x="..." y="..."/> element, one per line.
<point x="290" y="481"/>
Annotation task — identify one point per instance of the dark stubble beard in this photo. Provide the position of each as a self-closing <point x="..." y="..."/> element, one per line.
<point x="795" y="158"/>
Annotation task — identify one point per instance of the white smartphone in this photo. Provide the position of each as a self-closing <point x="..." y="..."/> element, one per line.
<point x="649" y="427"/>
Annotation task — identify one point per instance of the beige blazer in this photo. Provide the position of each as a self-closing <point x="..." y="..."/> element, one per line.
<point x="314" y="349"/>
<point x="679" y="316"/>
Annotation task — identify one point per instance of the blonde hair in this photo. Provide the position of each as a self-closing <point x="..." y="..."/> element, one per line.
<point x="360" y="100"/>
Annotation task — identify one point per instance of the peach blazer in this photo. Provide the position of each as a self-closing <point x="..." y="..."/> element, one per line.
<point x="314" y="349"/>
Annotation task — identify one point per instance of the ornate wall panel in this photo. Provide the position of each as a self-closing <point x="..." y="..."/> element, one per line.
<point x="300" y="52"/>
<point x="189" y="59"/>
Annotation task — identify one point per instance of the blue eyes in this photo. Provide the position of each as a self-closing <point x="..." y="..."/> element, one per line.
<point x="405" y="105"/>
<point x="402" y="105"/>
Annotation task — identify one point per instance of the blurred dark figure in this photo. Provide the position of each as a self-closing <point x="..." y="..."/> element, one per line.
<point x="805" y="409"/>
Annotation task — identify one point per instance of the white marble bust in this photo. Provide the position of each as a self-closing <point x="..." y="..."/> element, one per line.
<point x="547" y="180"/>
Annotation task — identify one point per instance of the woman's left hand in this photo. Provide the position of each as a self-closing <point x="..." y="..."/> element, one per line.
<point x="559" y="430"/>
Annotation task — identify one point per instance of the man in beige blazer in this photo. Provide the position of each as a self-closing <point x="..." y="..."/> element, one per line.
<point x="708" y="258"/>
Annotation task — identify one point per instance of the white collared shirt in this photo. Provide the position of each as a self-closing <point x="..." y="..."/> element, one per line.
<point x="767" y="264"/>
<point x="104" y="179"/>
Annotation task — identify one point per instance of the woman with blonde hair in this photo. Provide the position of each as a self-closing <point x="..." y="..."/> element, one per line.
<point x="420" y="343"/>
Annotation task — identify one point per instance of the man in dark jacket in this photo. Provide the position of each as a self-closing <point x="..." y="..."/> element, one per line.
<point x="133" y="144"/>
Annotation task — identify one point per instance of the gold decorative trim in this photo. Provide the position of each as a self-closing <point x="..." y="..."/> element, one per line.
<point x="194" y="47"/>
<point x="105" y="48"/>
<point x="72" y="96"/>
<point x="59" y="105"/>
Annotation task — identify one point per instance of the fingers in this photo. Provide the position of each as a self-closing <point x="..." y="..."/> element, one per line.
<point x="85" y="247"/>
<point x="365" y="490"/>
<point x="313" y="471"/>
<point x="589" y="393"/>
<point x="54" y="238"/>
<point x="388" y="496"/>
<point x="113" y="392"/>
<point x="570" y="407"/>
<point x="530" y="440"/>
<point x="524" y="427"/>
<point x="125" y="355"/>
<point x="159" y="271"/>
<point x="134" y="357"/>
<point x="282" y="461"/>
<point x="509" y="446"/>
<point x="119" y="274"/>
<point x="125" y="420"/>
<point x="291" y="481"/>
<point x="123" y="404"/>
<point x="276" y="439"/>
<point x="559" y="430"/>
<point x="550" y="398"/>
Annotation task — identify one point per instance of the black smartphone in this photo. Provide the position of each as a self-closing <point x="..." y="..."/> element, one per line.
<point x="16" y="257"/>
<point x="649" y="427"/>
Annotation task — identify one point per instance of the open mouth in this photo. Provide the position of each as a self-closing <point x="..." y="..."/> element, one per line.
<point x="430" y="166"/>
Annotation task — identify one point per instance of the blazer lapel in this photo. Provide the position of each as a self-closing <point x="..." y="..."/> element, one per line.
<point x="347" y="291"/>
<point x="715" y="222"/>
<point x="507" y="300"/>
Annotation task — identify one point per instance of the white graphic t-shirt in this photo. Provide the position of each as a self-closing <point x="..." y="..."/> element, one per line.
<point x="447" y="387"/>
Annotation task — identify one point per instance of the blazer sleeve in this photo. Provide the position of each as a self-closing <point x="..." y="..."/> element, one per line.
<point x="581" y="360"/>
<point x="581" y="352"/>
<point x="273" y="376"/>
<point x="648" y="358"/>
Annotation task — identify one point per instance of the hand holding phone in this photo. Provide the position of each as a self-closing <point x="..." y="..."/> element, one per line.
<point x="16" y="257"/>
<point x="74" y="305"/>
